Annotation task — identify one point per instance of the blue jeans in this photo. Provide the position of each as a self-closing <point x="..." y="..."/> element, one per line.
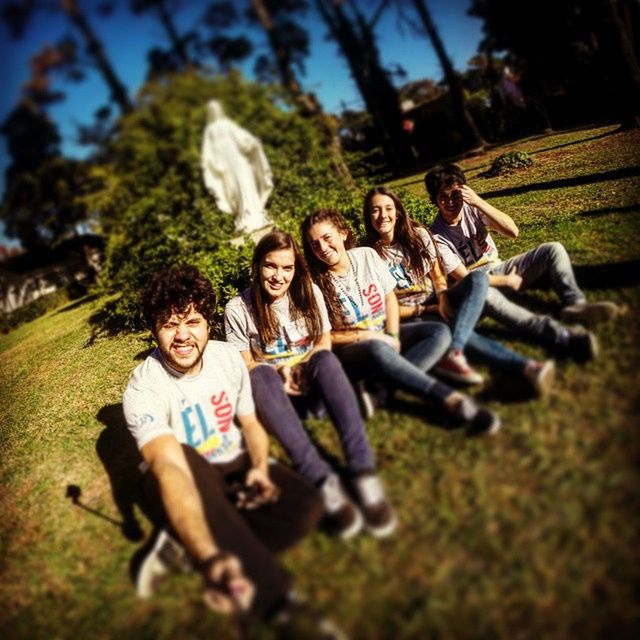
<point x="328" y="382"/>
<point x="424" y="344"/>
<point x="468" y="297"/>
<point x="548" y="259"/>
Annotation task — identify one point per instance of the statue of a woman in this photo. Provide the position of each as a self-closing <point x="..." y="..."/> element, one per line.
<point x="235" y="169"/>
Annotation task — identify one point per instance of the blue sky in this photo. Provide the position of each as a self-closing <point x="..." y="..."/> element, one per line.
<point x="127" y="38"/>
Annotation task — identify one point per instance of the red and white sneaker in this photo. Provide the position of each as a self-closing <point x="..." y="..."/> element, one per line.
<point x="454" y="366"/>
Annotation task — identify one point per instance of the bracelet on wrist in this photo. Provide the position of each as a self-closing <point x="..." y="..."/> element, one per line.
<point x="393" y="334"/>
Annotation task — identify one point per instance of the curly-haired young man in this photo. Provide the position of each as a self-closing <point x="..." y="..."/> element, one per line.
<point x="190" y="409"/>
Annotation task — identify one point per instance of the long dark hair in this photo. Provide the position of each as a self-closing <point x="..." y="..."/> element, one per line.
<point x="319" y="269"/>
<point x="302" y="302"/>
<point x="405" y="233"/>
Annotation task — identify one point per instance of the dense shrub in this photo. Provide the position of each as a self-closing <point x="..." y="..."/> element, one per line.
<point x="508" y="162"/>
<point x="153" y="206"/>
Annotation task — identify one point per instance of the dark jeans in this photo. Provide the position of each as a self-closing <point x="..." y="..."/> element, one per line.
<point x="255" y="535"/>
<point x="422" y="343"/>
<point x="328" y="383"/>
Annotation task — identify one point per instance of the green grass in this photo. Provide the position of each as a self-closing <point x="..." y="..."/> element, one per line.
<point x="533" y="534"/>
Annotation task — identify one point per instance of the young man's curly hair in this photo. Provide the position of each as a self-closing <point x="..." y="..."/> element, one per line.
<point x="173" y="290"/>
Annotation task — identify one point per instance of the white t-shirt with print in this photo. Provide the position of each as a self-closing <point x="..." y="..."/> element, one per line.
<point x="468" y="242"/>
<point x="293" y="341"/>
<point x="363" y="289"/>
<point x="410" y="290"/>
<point x="198" y="410"/>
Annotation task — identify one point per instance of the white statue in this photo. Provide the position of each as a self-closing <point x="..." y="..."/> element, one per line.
<point x="236" y="170"/>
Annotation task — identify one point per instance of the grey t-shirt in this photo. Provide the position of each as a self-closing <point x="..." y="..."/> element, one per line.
<point x="468" y="242"/>
<point x="198" y="410"/>
<point x="293" y="341"/>
<point x="410" y="290"/>
<point x="363" y="289"/>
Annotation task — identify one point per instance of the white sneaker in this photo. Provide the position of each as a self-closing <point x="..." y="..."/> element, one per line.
<point x="380" y="519"/>
<point x="365" y="400"/>
<point x="344" y="518"/>
<point x="165" y="554"/>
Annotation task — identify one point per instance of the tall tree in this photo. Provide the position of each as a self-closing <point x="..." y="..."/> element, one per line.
<point x="461" y="113"/>
<point x="18" y="13"/>
<point x="354" y="35"/>
<point x="289" y="44"/>
<point x="589" y="51"/>
<point x="43" y="196"/>
<point x="178" y="56"/>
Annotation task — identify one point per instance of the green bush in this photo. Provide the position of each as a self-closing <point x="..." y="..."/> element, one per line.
<point x="154" y="209"/>
<point x="508" y="162"/>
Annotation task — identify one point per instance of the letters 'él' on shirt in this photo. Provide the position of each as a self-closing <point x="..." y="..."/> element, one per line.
<point x="199" y="410"/>
<point x="468" y="242"/>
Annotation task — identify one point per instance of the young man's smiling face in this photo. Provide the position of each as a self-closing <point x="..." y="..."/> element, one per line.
<point x="449" y="201"/>
<point x="182" y="339"/>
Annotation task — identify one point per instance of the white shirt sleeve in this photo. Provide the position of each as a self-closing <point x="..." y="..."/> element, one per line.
<point x="146" y="411"/>
<point x="236" y="324"/>
<point x="322" y="307"/>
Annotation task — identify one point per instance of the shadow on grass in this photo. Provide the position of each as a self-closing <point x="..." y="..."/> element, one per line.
<point x="598" y="213"/>
<point x="78" y="303"/>
<point x="119" y="455"/>
<point x="575" y="181"/>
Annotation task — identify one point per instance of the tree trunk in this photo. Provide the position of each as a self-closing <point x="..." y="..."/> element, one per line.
<point x="357" y="43"/>
<point x="94" y="46"/>
<point x="177" y="44"/>
<point x="307" y="103"/>
<point x="627" y="70"/>
<point x="460" y="110"/>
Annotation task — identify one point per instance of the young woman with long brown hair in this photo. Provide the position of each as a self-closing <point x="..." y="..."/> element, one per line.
<point x="281" y="328"/>
<point x="367" y="335"/>
<point x="412" y="257"/>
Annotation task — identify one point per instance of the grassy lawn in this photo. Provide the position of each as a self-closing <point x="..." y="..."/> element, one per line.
<point x="533" y="534"/>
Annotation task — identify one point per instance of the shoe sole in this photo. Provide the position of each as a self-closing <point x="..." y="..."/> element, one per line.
<point x="151" y="569"/>
<point x="595" y="314"/>
<point x="354" y="529"/>
<point x="543" y="383"/>
<point x="458" y="377"/>
<point x="383" y="531"/>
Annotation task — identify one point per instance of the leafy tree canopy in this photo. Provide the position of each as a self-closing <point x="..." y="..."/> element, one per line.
<point x="154" y="208"/>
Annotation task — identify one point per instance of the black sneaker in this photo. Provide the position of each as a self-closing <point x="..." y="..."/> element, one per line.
<point x="379" y="518"/>
<point x="484" y="423"/>
<point x="366" y="400"/>
<point x="342" y="516"/>
<point x="582" y="345"/>
<point x="165" y="555"/>
<point x="479" y="421"/>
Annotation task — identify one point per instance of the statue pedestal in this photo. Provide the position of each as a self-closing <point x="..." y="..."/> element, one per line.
<point x="254" y="235"/>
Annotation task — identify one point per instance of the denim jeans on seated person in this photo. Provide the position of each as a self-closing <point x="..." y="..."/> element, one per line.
<point x="329" y="383"/>
<point x="467" y="297"/>
<point x="422" y="343"/>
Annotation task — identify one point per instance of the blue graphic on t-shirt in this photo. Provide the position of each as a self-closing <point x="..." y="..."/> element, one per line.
<point x="402" y="278"/>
